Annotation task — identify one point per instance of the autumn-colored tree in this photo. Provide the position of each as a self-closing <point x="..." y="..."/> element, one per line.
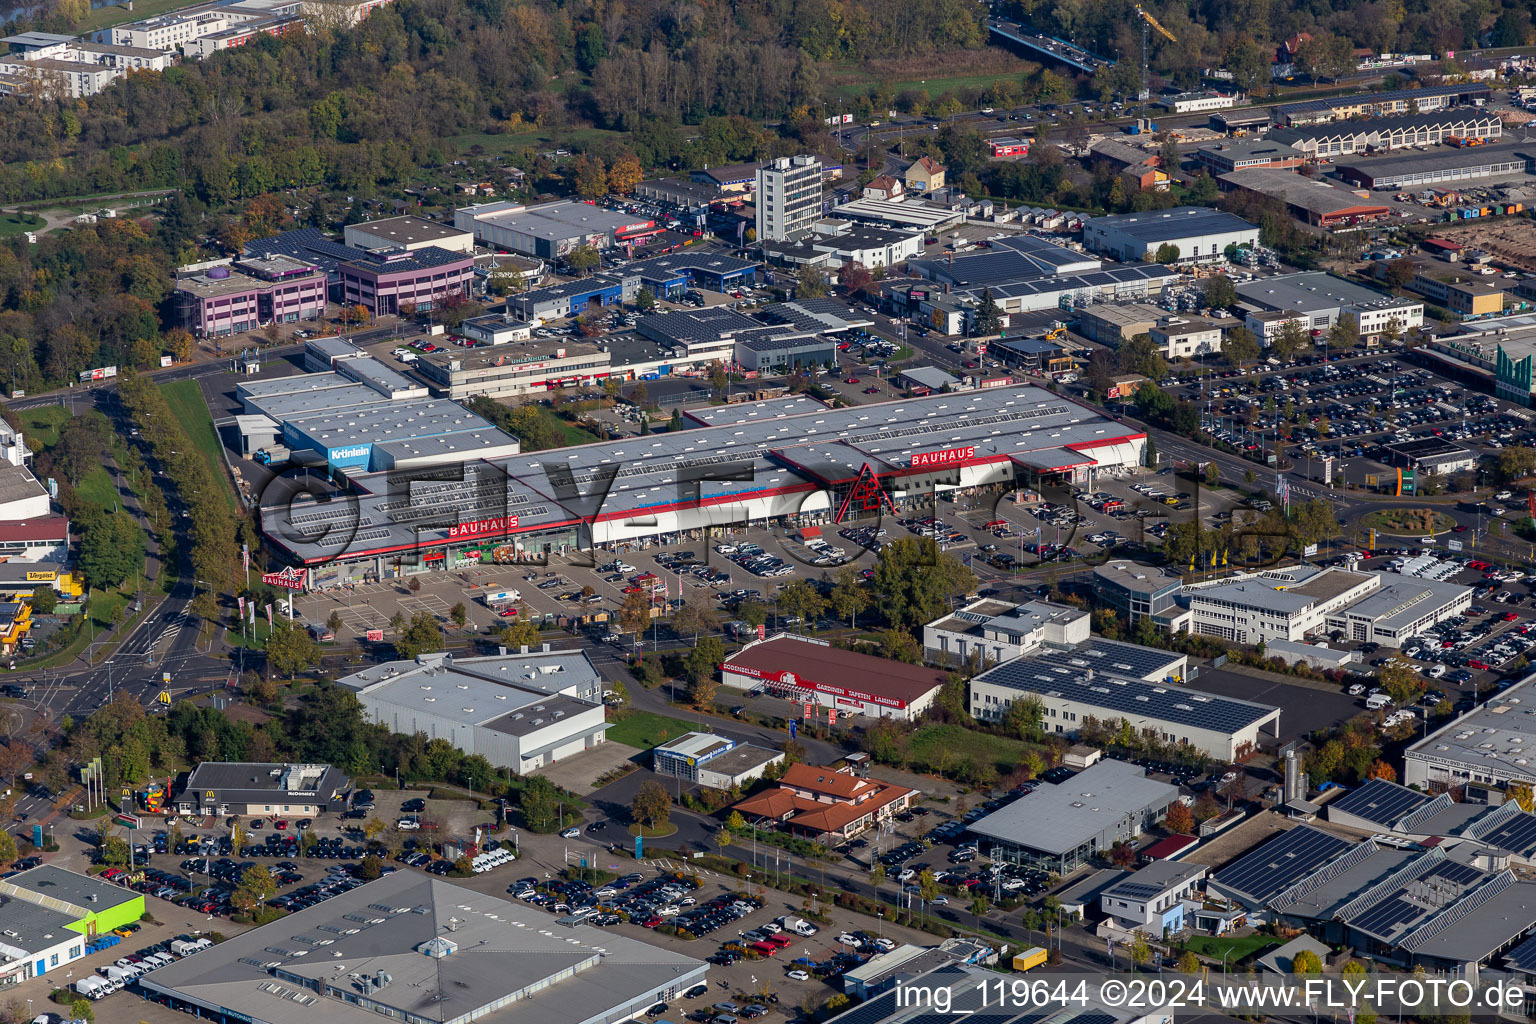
<point x="624" y="175"/>
<point x="1180" y="820"/>
<point x="590" y="177"/>
<point x="1381" y="770"/>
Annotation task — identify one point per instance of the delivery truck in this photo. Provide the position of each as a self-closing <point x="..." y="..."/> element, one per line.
<point x="501" y="598"/>
<point x="92" y="987"/>
<point x="274" y="455"/>
<point x="1029" y="959"/>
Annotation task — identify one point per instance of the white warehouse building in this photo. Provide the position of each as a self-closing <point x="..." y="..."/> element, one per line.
<point x="1199" y="234"/>
<point x="1109" y="682"/>
<point x="1274" y="604"/>
<point x="518" y="710"/>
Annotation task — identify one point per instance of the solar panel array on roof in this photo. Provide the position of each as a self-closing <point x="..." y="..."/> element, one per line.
<point x="1379" y="801"/>
<point x="1384" y="918"/>
<point x="1137" y="890"/>
<point x="1517" y="833"/>
<point x="1523" y="956"/>
<point x="1266" y="872"/>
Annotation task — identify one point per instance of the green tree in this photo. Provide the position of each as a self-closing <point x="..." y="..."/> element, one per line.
<point x="7" y="848"/>
<point x="1249" y="64"/>
<point x="914" y="582"/>
<point x="539" y="803"/>
<point x="520" y="631"/>
<point x="290" y="649"/>
<point x="800" y="598"/>
<point x="753" y="612"/>
<point x="849" y="595"/>
<point x="877" y="875"/>
<point x="1140" y="949"/>
<point x="700" y="664"/>
<point x="1219" y="291"/>
<point x="1345" y="333"/>
<point x="1306" y="963"/>
<point x="44" y="600"/>
<point x="458" y="614"/>
<point x="1240" y="347"/>
<point x="980" y="908"/>
<point x="645" y="301"/>
<point x="1188" y="963"/>
<point x="988" y="320"/>
<point x="900" y="645"/>
<point x="810" y="282"/>
<point x="370" y="868"/>
<point x="583" y="258"/>
<point x="1167" y="253"/>
<point x="1515" y="463"/>
<point x="256" y="887"/>
<point x="1140" y="354"/>
<point x="1025" y="718"/>
<point x="80" y="1009"/>
<point x="1290" y="341"/>
<point x="651" y="807"/>
<point x="421" y="636"/>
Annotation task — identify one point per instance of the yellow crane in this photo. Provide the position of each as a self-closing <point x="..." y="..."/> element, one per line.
<point x="1146" y="21"/>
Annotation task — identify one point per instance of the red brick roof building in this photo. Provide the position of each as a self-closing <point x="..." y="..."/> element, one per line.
<point x="829" y="804"/>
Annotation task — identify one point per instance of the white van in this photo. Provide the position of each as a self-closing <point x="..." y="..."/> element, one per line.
<point x="1377" y="701"/>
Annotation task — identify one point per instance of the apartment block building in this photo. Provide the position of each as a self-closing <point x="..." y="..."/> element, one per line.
<point x="788" y="198"/>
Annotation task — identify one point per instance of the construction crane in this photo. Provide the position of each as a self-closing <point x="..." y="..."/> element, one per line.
<point x="1149" y="22"/>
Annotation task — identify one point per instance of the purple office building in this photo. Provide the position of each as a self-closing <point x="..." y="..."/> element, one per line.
<point x="249" y="292"/>
<point x="383" y="280"/>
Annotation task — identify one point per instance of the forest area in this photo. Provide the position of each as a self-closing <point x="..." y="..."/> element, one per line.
<point x="302" y="129"/>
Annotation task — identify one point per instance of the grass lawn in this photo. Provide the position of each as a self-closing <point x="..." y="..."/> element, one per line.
<point x="16" y="223"/>
<point x="186" y="401"/>
<point x="44" y="422"/>
<point x="579" y="138"/>
<point x="644" y="730"/>
<point x="1233" y="949"/>
<point x="106" y="17"/>
<point x="97" y="488"/>
<point x="926" y="746"/>
<point x="570" y="431"/>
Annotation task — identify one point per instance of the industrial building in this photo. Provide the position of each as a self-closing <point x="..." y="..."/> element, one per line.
<point x="1347" y="138"/>
<point x="1107" y="682"/>
<point x="829" y="805"/>
<point x="1488" y="746"/>
<point x="1319" y="203"/>
<point x="818" y="675"/>
<point x="1024" y="274"/>
<point x="1241" y="154"/>
<point x="1114" y="324"/>
<point x="753" y="463"/>
<point x="1199" y="234"/>
<point x="1452" y="908"/>
<point x="901" y="214"/>
<point x="1284" y="604"/>
<point x="417" y="949"/>
<point x="520" y="711"/>
<point x="1323" y="299"/>
<point x="664" y="277"/>
<point x="50" y="914"/>
<point x="1431" y="456"/>
<point x="1462" y="291"/>
<point x="385" y="435"/>
<point x="550" y="230"/>
<point x="1061" y="828"/>
<point x="831" y="243"/>
<point x="409" y="233"/>
<point x="990" y="631"/>
<point x="1381" y="104"/>
<point x="541" y="366"/>
<point x="1440" y="166"/>
<point x="256" y="789"/>
<point x="707" y="759"/>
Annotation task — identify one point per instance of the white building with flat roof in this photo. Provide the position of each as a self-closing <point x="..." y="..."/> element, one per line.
<point x="521" y="710"/>
<point x="1273" y="604"/>
<point x="992" y="631"/>
<point x="788" y="198"/>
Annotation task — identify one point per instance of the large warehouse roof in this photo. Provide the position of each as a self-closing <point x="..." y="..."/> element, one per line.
<point x="1157" y="226"/>
<point x="1352" y="100"/>
<point x="1076" y="679"/>
<point x="832" y="666"/>
<point x="499" y="692"/>
<point x="1439" y="159"/>
<point x="1314" y="290"/>
<point x="734" y="461"/>
<point x="1058" y="819"/>
<point x="1500" y="734"/>
<point x="1263" y="874"/>
<point x="425" y="949"/>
